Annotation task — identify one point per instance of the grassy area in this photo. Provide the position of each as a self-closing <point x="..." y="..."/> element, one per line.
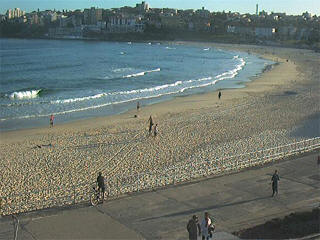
<point x="295" y="225"/>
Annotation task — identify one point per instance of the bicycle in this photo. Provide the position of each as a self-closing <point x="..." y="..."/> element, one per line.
<point x="96" y="196"/>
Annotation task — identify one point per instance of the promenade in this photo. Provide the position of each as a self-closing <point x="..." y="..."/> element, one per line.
<point x="236" y="201"/>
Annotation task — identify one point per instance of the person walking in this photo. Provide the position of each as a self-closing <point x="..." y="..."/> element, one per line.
<point x="275" y="178"/>
<point x="150" y="124"/>
<point x="194" y="228"/>
<point x="138" y="106"/>
<point x="51" y="120"/>
<point x="101" y="187"/>
<point x="219" y="95"/>
<point x="206" y="227"/>
<point x="155" y="130"/>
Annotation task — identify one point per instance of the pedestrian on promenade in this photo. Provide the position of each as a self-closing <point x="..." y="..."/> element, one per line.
<point x="219" y="95"/>
<point x="101" y="187"/>
<point x="150" y="124"/>
<point x="194" y="228"/>
<point x="275" y="178"/>
<point x="51" y="120"/>
<point x="207" y="227"/>
<point x="155" y="130"/>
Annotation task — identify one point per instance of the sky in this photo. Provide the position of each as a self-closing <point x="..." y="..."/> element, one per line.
<point x="294" y="7"/>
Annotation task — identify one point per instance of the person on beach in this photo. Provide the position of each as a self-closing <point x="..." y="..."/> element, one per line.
<point x="138" y="106"/>
<point x="150" y="124"/>
<point x="155" y="130"/>
<point x="275" y="178"/>
<point x="51" y="120"/>
<point x="207" y="227"/>
<point x="101" y="187"/>
<point x="219" y="95"/>
<point x="194" y="228"/>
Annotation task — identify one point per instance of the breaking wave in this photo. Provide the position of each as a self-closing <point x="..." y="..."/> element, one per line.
<point x="24" y="94"/>
<point x="179" y="86"/>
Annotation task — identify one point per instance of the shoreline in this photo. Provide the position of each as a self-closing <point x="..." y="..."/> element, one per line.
<point x="249" y="87"/>
<point x="271" y="111"/>
<point x="166" y="100"/>
<point x="302" y="46"/>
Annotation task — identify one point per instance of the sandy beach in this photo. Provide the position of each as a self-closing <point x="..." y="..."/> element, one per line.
<point x="280" y="106"/>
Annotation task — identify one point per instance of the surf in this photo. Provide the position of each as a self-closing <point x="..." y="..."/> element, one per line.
<point x="29" y="94"/>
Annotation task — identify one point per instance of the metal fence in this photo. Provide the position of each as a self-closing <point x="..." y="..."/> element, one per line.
<point x="119" y="185"/>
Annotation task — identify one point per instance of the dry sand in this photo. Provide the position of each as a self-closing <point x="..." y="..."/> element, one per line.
<point x="281" y="106"/>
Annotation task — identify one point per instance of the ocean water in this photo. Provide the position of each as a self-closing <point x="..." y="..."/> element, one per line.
<point x="82" y="79"/>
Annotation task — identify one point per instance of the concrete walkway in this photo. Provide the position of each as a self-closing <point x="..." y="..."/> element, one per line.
<point x="236" y="201"/>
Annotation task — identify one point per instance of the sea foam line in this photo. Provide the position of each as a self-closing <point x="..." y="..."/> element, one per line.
<point x="226" y="75"/>
<point x="142" y="73"/>
<point x="88" y="108"/>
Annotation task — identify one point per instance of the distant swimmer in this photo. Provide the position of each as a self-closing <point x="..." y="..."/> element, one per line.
<point x="219" y="95"/>
<point x="51" y="120"/>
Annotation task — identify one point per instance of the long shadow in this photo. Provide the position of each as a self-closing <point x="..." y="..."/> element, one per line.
<point x="192" y="211"/>
<point x="310" y="127"/>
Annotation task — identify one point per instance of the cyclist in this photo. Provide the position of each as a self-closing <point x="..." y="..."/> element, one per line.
<point x="101" y="187"/>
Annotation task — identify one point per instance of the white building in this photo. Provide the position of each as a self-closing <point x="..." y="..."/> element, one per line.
<point x="15" y="13"/>
<point x="123" y="24"/>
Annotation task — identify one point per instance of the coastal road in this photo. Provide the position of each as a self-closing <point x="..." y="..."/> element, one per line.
<point x="236" y="201"/>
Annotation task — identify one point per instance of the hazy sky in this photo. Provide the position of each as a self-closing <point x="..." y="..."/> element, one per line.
<point x="295" y="7"/>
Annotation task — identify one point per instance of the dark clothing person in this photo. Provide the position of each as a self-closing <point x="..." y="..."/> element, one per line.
<point x="101" y="187"/>
<point x="275" y="178"/>
<point x="193" y="228"/>
<point x="51" y="120"/>
<point x="138" y="106"/>
<point x="155" y="130"/>
<point x="219" y="95"/>
<point x="150" y="124"/>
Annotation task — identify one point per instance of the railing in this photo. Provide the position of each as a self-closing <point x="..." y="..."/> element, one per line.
<point x="119" y="185"/>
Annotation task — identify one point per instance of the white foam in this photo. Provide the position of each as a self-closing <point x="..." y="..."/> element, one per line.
<point x="141" y="73"/>
<point x="71" y="100"/>
<point x="134" y="75"/>
<point x="226" y="75"/>
<point x="24" y="94"/>
<point x="145" y="93"/>
<point x="121" y="69"/>
<point x="88" y="108"/>
<point x="232" y="73"/>
<point x="206" y="49"/>
<point x="200" y="79"/>
<point x="155" y="90"/>
<point x="198" y="86"/>
<point x="144" y="90"/>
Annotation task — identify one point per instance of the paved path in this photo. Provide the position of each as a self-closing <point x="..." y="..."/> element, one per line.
<point x="236" y="201"/>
